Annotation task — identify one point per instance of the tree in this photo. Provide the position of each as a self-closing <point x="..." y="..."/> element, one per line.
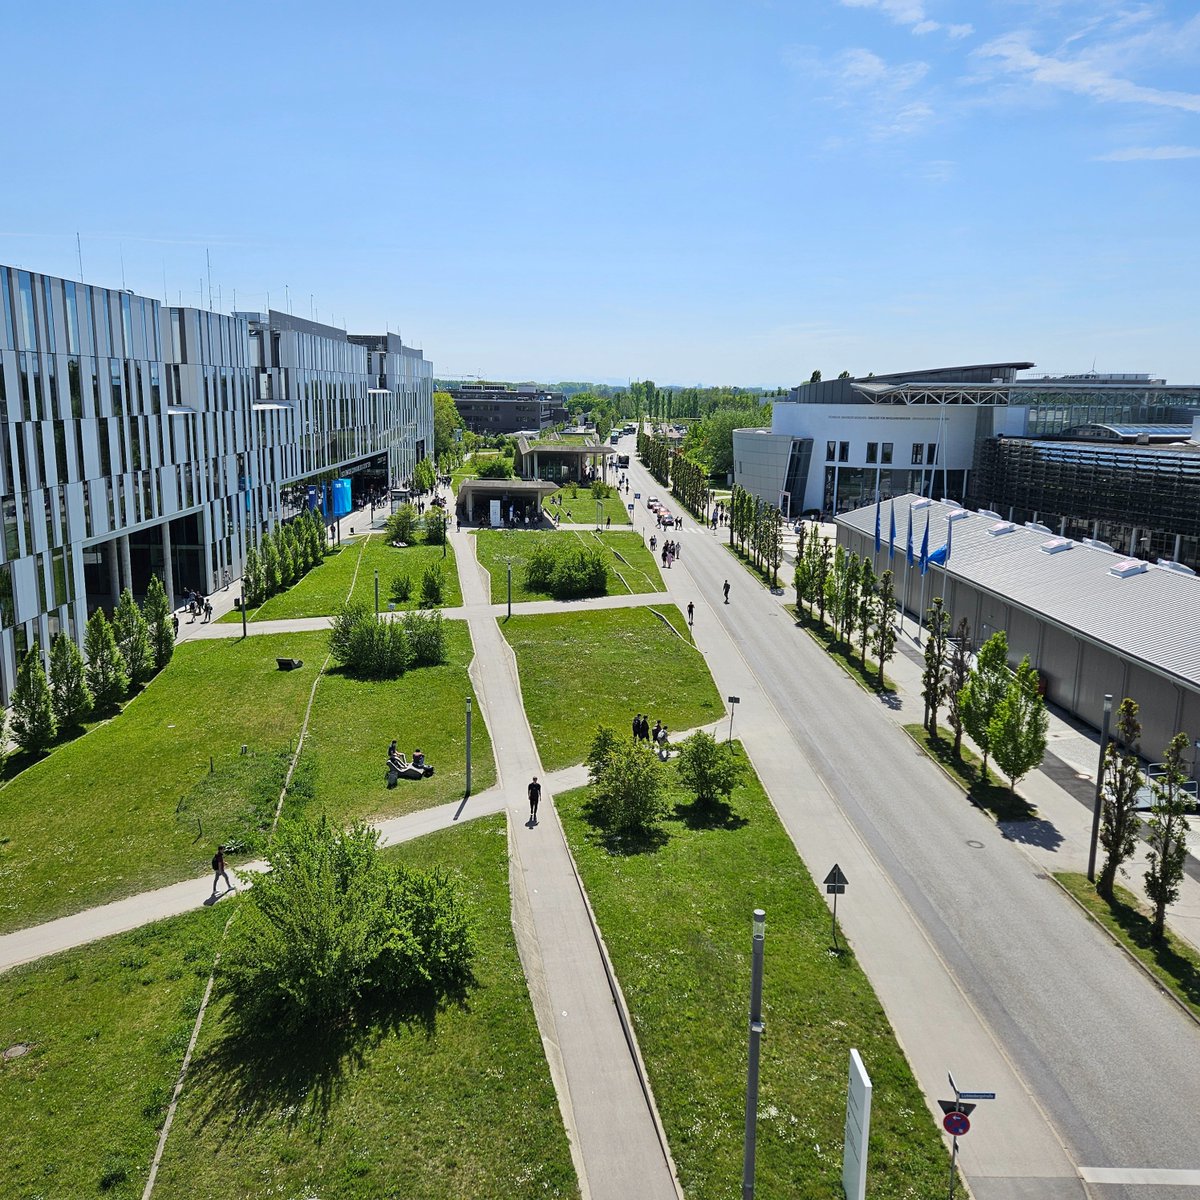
<point x="884" y="641"/>
<point x="133" y="639"/>
<point x="433" y="586"/>
<point x="435" y="526"/>
<point x="447" y="422"/>
<point x="824" y="559"/>
<point x="933" y="678"/>
<point x="157" y="611"/>
<point x="253" y="581"/>
<point x="957" y="675"/>
<point x="272" y="579"/>
<point x="815" y="377"/>
<point x="1017" y="730"/>
<point x="1166" y="834"/>
<point x="424" y="477"/>
<point x="868" y="588"/>
<point x="334" y="926"/>
<point x="986" y="686"/>
<point x="1121" y="781"/>
<point x="628" y="794"/>
<point x="496" y="468"/>
<point x="107" y="675"/>
<point x="69" y="695"/>
<point x="33" y="725"/>
<point x="401" y="526"/>
<point x="708" y="768"/>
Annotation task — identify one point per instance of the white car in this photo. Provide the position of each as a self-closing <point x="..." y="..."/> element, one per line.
<point x="651" y="501"/>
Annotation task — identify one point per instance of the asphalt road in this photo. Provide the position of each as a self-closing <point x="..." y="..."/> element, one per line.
<point x="1114" y="1066"/>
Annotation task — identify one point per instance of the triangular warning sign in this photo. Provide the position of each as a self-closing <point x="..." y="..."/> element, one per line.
<point x="949" y="1106"/>
<point x="835" y="878"/>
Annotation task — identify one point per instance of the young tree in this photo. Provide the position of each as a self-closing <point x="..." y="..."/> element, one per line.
<point x="708" y="768"/>
<point x="884" y="641"/>
<point x="628" y="794"/>
<point x="401" y="526"/>
<point x="1121" y="782"/>
<point x="1166" y="834"/>
<point x="272" y="576"/>
<point x="957" y="674"/>
<point x="107" y="675"/>
<point x="133" y="639"/>
<point x="69" y="695"/>
<point x="986" y="686"/>
<point x="868" y="590"/>
<point x="933" y="678"/>
<point x="435" y="526"/>
<point x="824" y="563"/>
<point x="157" y="611"/>
<point x="252" y="577"/>
<point x="33" y="725"/>
<point x="1017" y="730"/>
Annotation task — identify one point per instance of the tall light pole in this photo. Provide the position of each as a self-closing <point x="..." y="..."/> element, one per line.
<point x="756" y="1032"/>
<point x="468" y="792"/>
<point x="1099" y="790"/>
<point x="377" y="592"/>
<point x="245" y="631"/>
<point x="510" y="587"/>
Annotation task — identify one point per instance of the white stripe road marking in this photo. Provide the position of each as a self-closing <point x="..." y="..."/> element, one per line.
<point x="1161" y="1175"/>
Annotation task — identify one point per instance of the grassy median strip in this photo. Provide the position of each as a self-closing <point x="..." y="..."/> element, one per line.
<point x="1173" y="961"/>
<point x="495" y="548"/>
<point x="453" y="1104"/>
<point x="140" y="800"/>
<point x="992" y="795"/>
<point x="582" y="669"/>
<point x="580" y="509"/>
<point x="675" y="915"/>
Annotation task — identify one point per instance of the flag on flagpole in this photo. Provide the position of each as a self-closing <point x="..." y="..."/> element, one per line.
<point x="925" y="547"/>
<point x="910" y="549"/>
<point x="892" y="534"/>
<point x="941" y="555"/>
<point x="877" y="538"/>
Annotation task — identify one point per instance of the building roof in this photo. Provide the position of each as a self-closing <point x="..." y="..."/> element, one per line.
<point x="1145" y="611"/>
<point x="1103" y="432"/>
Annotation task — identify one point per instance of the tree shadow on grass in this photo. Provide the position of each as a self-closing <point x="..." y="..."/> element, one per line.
<point x="263" y="1073"/>
<point x="717" y="814"/>
<point x="1138" y="927"/>
<point x="624" y="843"/>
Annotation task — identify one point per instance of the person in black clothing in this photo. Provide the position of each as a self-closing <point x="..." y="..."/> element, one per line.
<point x="535" y="794"/>
<point x="637" y="726"/>
<point x="726" y="590"/>
<point x="219" y="872"/>
<point x="691" y="611"/>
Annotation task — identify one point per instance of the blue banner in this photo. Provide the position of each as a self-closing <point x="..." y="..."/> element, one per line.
<point x="341" y="497"/>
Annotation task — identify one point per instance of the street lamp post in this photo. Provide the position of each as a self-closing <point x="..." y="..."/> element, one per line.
<point x="1099" y="788"/>
<point x="756" y="1031"/>
<point x="510" y="587"/>
<point x="245" y="631"/>
<point x="468" y="792"/>
<point x="377" y="592"/>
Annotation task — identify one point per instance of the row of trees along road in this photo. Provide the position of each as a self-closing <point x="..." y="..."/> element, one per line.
<point x="758" y="530"/>
<point x="1121" y="791"/>
<point x="121" y="656"/>
<point x="843" y="592"/>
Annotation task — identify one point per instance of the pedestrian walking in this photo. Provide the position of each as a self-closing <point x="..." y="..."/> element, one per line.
<point x="535" y="794"/>
<point x="691" y="613"/>
<point x="637" y="726"/>
<point x="726" y="591"/>
<point x="219" y="872"/>
<point x="175" y="623"/>
<point x="208" y="610"/>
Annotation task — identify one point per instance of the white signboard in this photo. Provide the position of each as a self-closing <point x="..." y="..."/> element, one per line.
<point x="858" y="1130"/>
<point x="494" y="516"/>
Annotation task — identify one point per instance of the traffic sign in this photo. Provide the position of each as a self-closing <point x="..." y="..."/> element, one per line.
<point x="956" y="1123"/>
<point x="949" y="1106"/>
<point x="976" y="1096"/>
<point x="835" y="882"/>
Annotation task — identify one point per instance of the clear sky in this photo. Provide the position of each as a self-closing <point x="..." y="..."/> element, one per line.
<point x="694" y="192"/>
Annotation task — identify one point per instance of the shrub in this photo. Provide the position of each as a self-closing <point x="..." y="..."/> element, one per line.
<point x="709" y="768"/>
<point x="366" y="646"/>
<point x="433" y="585"/>
<point x="600" y="489"/>
<point x="628" y="793"/>
<point x="539" y="567"/>
<point x="580" y="571"/>
<point x="401" y="526"/>
<point x="496" y="468"/>
<point x="333" y="927"/>
<point x="435" y="526"/>
<point x="401" y="590"/>
<point x="426" y="635"/>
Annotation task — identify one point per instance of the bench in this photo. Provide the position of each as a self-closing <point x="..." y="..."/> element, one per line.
<point x="289" y="664"/>
<point x="395" y="773"/>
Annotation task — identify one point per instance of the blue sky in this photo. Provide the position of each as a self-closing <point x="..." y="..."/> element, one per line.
<point x="691" y="192"/>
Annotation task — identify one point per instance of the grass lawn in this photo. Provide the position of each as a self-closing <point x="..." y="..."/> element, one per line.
<point x="460" y="1107"/>
<point x="326" y="586"/>
<point x="115" y="811"/>
<point x="676" y="920"/>
<point x="993" y="796"/>
<point x="354" y="720"/>
<point x="866" y="674"/>
<point x="1173" y="962"/>
<point x="631" y="566"/>
<point x="581" y="508"/>
<point x="108" y="1025"/>
<point x="582" y="669"/>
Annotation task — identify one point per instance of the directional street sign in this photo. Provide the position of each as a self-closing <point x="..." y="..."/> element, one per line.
<point x="956" y="1123"/>
<point x="835" y="882"/>
<point x="975" y="1096"/>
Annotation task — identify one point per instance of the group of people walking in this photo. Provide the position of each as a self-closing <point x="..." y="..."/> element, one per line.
<point x="198" y="606"/>
<point x="656" y="736"/>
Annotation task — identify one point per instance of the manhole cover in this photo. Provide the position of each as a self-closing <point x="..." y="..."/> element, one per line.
<point x="974" y="844"/>
<point x="17" y="1051"/>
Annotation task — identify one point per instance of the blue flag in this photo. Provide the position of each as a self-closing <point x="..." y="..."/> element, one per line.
<point x="892" y="534"/>
<point x="910" y="550"/>
<point x="877" y="538"/>
<point x="941" y="555"/>
<point x="925" y="547"/>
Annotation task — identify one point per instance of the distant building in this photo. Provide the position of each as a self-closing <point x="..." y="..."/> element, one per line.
<point x="489" y="408"/>
<point x="832" y="445"/>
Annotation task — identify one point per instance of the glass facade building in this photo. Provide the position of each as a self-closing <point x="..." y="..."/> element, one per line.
<point x="138" y="439"/>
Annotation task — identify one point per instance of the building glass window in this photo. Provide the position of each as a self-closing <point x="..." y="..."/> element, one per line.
<point x="918" y="453"/>
<point x="843" y="452"/>
<point x="886" y="456"/>
<point x="830" y="451"/>
<point x="931" y="453"/>
<point x="872" y="452"/>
